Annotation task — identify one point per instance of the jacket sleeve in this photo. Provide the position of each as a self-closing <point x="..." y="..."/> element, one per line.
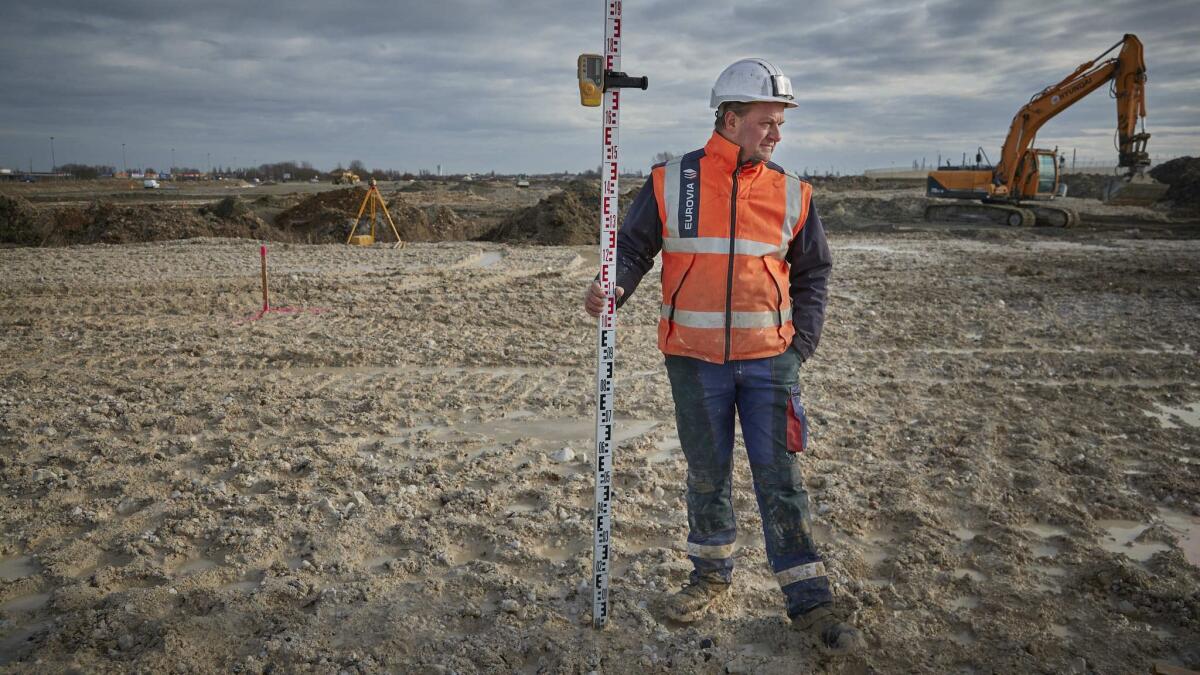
<point x="638" y="241"/>
<point x="810" y="263"/>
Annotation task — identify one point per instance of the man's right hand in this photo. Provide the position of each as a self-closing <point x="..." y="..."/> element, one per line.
<point x="593" y="300"/>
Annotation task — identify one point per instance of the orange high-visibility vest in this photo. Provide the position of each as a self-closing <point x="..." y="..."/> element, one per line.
<point x="725" y="237"/>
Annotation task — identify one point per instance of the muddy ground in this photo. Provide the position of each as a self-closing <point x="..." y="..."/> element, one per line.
<point x="1003" y="468"/>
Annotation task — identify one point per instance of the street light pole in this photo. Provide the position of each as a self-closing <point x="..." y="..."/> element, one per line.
<point x="52" y="162"/>
<point x="172" y="162"/>
<point x="124" y="162"/>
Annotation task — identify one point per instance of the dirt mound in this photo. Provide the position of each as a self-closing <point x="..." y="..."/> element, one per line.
<point x="1086" y="185"/>
<point x="436" y="223"/>
<point x="105" y="222"/>
<point x="838" y="210"/>
<point x="1183" y="175"/>
<point x="229" y="208"/>
<point x="324" y="217"/>
<point x="841" y="183"/>
<point x="20" y="222"/>
<point x="570" y="217"/>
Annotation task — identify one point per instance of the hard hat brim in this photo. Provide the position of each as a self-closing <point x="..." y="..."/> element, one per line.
<point x="715" y="101"/>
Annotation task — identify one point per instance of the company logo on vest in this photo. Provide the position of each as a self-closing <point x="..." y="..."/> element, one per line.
<point x="687" y="207"/>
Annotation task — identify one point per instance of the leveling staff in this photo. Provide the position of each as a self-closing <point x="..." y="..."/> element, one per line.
<point x="744" y="271"/>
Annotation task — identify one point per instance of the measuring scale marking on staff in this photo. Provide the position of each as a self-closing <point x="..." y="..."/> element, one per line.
<point x="600" y="77"/>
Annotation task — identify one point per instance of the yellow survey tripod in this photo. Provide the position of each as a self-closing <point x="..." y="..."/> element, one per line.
<point x="375" y="201"/>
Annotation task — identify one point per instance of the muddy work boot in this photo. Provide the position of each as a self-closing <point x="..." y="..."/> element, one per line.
<point x="696" y="597"/>
<point x="828" y="633"/>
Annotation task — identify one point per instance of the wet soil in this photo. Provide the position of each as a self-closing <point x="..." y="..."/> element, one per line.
<point x="1003" y="470"/>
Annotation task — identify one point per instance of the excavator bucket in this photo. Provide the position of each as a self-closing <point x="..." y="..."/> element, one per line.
<point x="1135" y="191"/>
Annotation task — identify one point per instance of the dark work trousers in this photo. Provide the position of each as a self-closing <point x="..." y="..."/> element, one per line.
<point x="706" y="396"/>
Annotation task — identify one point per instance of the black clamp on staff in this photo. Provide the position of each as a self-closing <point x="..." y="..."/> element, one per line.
<point x="615" y="80"/>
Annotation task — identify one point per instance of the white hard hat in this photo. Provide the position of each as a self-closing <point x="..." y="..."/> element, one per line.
<point x="751" y="80"/>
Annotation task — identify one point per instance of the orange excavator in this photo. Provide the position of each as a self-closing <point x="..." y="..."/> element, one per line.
<point x="1016" y="189"/>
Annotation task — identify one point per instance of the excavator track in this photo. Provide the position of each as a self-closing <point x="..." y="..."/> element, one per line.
<point x="1053" y="216"/>
<point x="979" y="212"/>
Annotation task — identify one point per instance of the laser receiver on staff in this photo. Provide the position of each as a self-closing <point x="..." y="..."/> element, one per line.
<point x="594" y="80"/>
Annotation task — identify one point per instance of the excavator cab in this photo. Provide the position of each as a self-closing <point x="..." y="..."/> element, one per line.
<point x="1039" y="176"/>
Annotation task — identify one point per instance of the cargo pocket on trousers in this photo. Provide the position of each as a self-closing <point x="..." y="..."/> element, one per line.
<point x="797" y="422"/>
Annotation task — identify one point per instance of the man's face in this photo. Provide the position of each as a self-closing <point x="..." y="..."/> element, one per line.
<point x="757" y="132"/>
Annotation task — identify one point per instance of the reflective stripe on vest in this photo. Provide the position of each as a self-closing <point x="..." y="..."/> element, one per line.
<point x="683" y="317"/>
<point x="720" y="246"/>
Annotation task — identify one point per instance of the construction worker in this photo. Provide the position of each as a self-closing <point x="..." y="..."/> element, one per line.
<point x="744" y="271"/>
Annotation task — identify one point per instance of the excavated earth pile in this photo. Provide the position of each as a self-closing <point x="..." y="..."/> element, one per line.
<point x="323" y="217"/>
<point x="564" y="218"/>
<point x="850" y="209"/>
<point x="1086" y="185"/>
<point x="1183" y="175"/>
<point x="328" y="216"/>
<point x="104" y="222"/>
<point x="20" y="222"/>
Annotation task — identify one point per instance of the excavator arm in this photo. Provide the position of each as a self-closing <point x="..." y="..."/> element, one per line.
<point x="1128" y="72"/>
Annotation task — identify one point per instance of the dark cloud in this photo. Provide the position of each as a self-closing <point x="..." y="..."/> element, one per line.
<point x="478" y="85"/>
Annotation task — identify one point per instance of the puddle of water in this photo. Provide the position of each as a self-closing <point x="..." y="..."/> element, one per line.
<point x="26" y="603"/>
<point x="1186" y="529"/>
<point x="1120" y="539"/>
<point x="524" y="506"/>
<point x="876" y="546"/>
<point x="964" y="638"/>
<point x="557" y="552"/>
<point x="195" y="566"/>
<point x="1171" y="418"/>
<point x="965" y="602"/>
<point x="241" y="586"/>
<point x="760" y="649"/>
<point x="1045" y="550"/>
<point x="965" y="533"/>
<point x="975" y="575"/>
<point x="18" y="567"/>
<point x="1044" y="531"/>
<point x="632" y="548"/>
<point x="485" y="259"/>
<point x="1051" y="570"/>
<point x="461" y="555"/>
<point x="666" y="450"/>
<point x="1063" y="632"/>
<point x="1131" y="467"/>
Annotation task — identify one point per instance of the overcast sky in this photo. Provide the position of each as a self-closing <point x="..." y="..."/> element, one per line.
<point x="478" y="86"/>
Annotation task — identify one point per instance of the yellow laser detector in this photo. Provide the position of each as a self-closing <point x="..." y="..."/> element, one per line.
<point x="591" y="79"/>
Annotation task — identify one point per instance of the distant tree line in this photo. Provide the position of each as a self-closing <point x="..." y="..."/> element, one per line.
<point x="86" y="171"/>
